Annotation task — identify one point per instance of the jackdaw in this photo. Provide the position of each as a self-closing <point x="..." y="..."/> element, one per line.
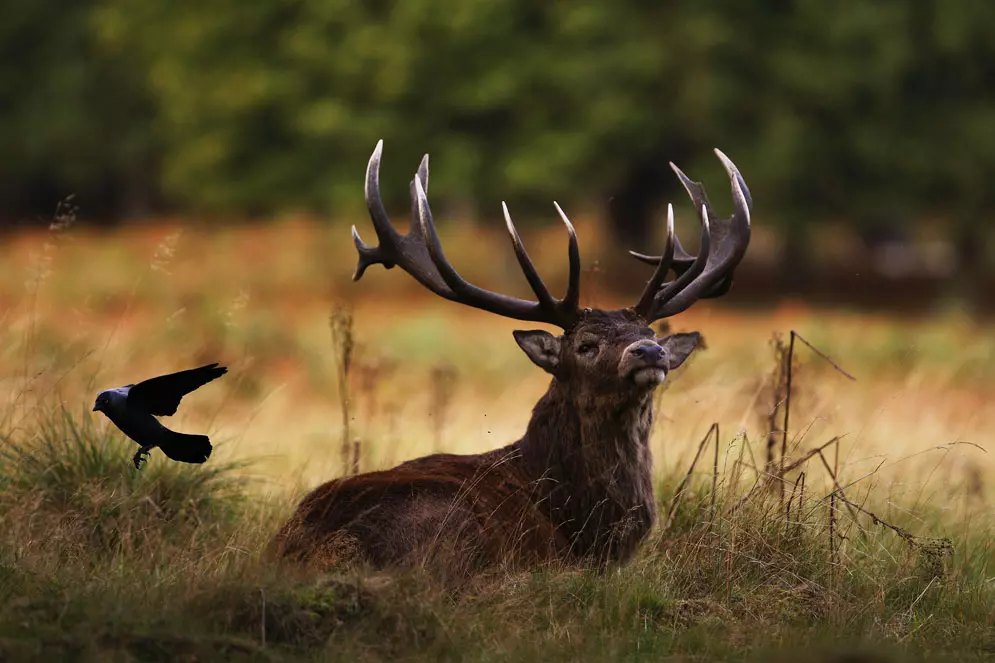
<point x="133" y="408"/>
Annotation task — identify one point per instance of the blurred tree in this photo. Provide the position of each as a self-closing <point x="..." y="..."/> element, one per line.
<point x="74" y="118"/>
<point x="273" y="104"/>
<point x="950" y="115"/>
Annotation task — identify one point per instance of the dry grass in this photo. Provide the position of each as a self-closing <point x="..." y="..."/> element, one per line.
<point x="260" y="300"/>
<point x="83" y="312"/>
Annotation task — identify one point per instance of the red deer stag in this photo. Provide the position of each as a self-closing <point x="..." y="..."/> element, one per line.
<point x="577" y="487"/>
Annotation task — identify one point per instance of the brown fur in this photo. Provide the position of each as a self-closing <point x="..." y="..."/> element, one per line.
<point x="576" y="488"/>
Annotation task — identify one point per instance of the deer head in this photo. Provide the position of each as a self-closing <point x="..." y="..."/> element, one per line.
<point x="602" y="354"/>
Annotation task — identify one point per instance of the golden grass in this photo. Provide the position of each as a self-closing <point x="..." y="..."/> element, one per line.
<point x="85" y="311"/>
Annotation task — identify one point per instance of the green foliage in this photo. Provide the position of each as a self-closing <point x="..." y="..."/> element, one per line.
<point x="75" y="115"/>
<point x="858" y="109"/>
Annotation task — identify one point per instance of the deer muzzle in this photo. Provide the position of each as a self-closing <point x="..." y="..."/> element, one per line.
<point x="644" y="362"/>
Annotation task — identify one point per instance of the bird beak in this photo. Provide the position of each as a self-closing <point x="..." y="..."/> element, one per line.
<point x="96" y="408"/>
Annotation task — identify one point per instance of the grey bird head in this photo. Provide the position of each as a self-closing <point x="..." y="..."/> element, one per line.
<point x="111" y="400"/>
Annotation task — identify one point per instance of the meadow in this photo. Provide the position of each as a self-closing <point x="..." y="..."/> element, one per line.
<point x="878" y="547"/>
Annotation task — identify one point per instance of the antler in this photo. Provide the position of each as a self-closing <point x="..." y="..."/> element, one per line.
<point x="709" y="274"/>
<point x="420" y="254"/>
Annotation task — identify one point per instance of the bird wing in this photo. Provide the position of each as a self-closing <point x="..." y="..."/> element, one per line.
<point x="162" y="395"/>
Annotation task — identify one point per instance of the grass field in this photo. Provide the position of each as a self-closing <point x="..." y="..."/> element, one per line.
<point x="98" y="562"/>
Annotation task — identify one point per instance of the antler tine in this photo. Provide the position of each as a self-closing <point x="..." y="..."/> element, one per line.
<point x="723" y="244"/>
<point x="663" y="264"/>
<point x="532" y="276"/>
<point x="741" y="192"/>
<point x="545" y="310"/>
<point x="409" y="250"/>
<point x="465" y="292"/>
<point x="571" y="300"/>
<point x="697" y="267"/>
<point x="371" y="255"/>
<point x="422" y="175"/>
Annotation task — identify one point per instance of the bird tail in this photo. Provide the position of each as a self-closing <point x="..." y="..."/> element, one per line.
<point x="187" y="448"/>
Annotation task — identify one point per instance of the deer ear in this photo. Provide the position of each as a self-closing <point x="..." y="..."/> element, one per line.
<point x="678" y="347"/>
<point x="541" y="347"/>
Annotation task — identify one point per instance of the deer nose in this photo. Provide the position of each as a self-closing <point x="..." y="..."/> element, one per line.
<point x="648" y="352"/>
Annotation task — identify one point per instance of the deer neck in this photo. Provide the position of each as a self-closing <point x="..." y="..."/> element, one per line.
<point x="591" y="463"/>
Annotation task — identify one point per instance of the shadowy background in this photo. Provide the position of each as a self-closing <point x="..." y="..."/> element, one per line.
<point x="864" y="129"/>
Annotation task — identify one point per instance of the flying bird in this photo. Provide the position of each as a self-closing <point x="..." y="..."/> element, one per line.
<point x="133" y="408"/>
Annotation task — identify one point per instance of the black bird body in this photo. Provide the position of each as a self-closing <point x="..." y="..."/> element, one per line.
<point x="133" y="408"/>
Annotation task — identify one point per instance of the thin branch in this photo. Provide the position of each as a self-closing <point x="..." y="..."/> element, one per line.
<point x="679" y="493"/>
<point x="715" y="475"/>
<point x="836" y="484"/>
<point x="821" y="354"/>
<point x="787" y="412"/>
<point x="768" y="478"/>
<point x="911" y="539"/>
<point x="787" y="513"/>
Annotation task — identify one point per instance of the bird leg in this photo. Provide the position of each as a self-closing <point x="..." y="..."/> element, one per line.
<point x="141" y="456"/>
